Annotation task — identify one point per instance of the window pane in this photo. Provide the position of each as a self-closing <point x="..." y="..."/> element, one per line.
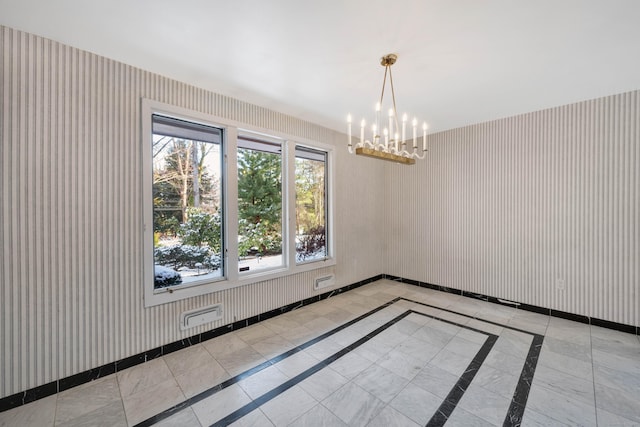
<point x="259" y="205"/>
<point x="311" y="205"/>
<point x="187" y="202"/>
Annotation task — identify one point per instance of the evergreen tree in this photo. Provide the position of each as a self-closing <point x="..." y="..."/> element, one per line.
<point x="260" y="201"/>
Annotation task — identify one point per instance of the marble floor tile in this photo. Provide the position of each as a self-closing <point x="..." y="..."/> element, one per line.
<point x="272" y="346"/>
<point x="318" y="416"/>
<point x="323" y="383"/>
<point x="181" y="361"/>
<point x="560" y="407"/>
<point x="462" y="346"/>
<point x="224" y="345"/>
<point x="221" y="404"/>
<point x="462" y="418"/>
<point x="514" y="343"/>
<point x="405" y="327"/>
<point x="418" y="349"/>
<point x="568" y="364"/>
<point x="296" y="364"/>
<point x="620" y="362"/>
<point x="605" y="339"/>
<point x="280" y="324"/>
<point x="361" y="408"/>
<point x="87" y="398"/>
<point x="485" y="326"/>
<point x="381" y="382"/>
<point x="255" y="333"/>
<point x="143" y="376"/>
<point x="240" y="360"/>
<point x="201" y="378"/>
<point x="41" y="413"/>
<point x="184" y="418"/>
<point x="622" y="380"/>
<point x="499" y="382"/>
<point x="416" y="403"/>
<point x="532" y="418"/>
<point x="391" y="417"/>
<point x="433" y="336"/>
<point x="319" y="325"/>
<point x="255" y="418"/>
<point x="485" y="404"/>
<point x="374" y="349"/>
<point x="606" y="418"/>
<point x="401" y="364"/>
<point x="473" y="336"/>
<point x="260" y="383"/>
<point x="323" y="349"/>
<point x="298" y="335"/>
<point x="453" y="363"/>
<point x="398" y="377"/>
<point x="105" y="416"/>
<point x="392" y="338"/>
<point x="350" y="365"/>
<point x="288" y="406"/>
<point x="148" y="402"/>
<point x="619" y="402"/>
<point x="567" y="330"/>
<point x="563" y="383"/>
<point x="435" y="380"/>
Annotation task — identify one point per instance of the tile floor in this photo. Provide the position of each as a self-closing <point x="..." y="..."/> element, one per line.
<point x="385" y="354"/>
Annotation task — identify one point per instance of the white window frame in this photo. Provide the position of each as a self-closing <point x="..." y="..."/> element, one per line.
<point x="232" y="278"/>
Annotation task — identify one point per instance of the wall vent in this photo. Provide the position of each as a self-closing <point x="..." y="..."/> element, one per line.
<point x="324" y="281"/>
<point x="200" y="316"/>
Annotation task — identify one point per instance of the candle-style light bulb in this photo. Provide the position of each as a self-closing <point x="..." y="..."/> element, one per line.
<point x="362" y="125"/>
<point x="386" y="138"/>
<point x="391" y="122"/>
<point x="349" y="127"/>
<point x="424" y="136"/>
<point x="404" y="128"/>
<point x="415" y="127"/>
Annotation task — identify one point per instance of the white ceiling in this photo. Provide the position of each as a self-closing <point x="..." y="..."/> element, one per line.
<point x="459" y="61"/>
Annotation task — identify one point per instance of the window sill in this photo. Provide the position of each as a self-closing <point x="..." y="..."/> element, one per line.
<point x="174" y="294"/>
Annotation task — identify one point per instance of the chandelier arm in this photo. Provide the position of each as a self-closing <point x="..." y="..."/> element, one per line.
<point x="384" y="83"/>
<point x="393" y="97"/>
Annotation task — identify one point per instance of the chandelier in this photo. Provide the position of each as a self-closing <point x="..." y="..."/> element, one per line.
<point x="389" y="142"/>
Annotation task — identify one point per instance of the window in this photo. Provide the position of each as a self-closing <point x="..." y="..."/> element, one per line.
<point x="187" y="209"/>
<point x="226" y="207"/>
<point x="311" y="205"/>
<point x="259" y="204"/>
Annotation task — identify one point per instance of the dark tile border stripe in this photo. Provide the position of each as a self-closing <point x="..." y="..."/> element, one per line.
<point x="521" y="394"/>
<point x="256" y="403"/>
<point x="48" y="389"/>
<point x="457" y="391"/>
<point x="203" y="395"/>
<point x="441" y="416"/>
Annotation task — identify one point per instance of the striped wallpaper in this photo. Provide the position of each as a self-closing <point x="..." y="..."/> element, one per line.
<point x="516" y="208"/>
<point x="505" y="208"/>
<point x="71" y="214"/>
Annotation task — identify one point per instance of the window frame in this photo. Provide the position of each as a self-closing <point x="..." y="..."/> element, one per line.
<point x="231" y="278"/>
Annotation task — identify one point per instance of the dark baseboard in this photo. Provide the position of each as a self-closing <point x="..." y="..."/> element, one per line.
<point x="66" y="383"/>
<point x="635" y="330"/>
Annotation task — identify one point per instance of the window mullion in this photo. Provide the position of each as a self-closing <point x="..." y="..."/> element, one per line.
<point x="231" y="203"/>
<point x="290" y="165"/>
